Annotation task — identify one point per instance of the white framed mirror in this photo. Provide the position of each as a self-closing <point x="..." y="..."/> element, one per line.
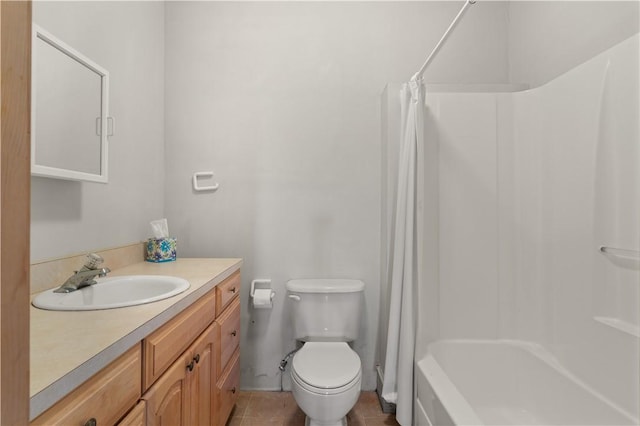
<point x="70" y="121"/>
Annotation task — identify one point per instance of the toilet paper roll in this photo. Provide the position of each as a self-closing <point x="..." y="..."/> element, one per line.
<point x="262" y="298"/>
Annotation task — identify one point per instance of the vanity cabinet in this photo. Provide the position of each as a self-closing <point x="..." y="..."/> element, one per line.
<point x="184" y="373"/>
<point x="137" y="416"/>
<point x="165" y="345"/>
<point x="226" y="292"/>
<point x="202" y="403"/>
<point x="228" y="335"/>
<point x="228" y="360"/>
<point x="196" y="386"/>
<point x="227" y="389"/>
<point x="102" y="400"/>
<point x="184" y="394"/>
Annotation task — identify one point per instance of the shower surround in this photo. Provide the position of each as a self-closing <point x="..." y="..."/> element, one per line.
<point x="529" y="186"/>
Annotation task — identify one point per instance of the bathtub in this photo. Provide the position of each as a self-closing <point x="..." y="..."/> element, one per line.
<point x="498" y="382"/>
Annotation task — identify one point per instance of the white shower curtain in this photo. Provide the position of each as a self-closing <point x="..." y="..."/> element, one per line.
<point x="398" y="386"/>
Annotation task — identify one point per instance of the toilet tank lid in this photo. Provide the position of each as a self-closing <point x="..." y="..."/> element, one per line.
<point x="321" y="285"/>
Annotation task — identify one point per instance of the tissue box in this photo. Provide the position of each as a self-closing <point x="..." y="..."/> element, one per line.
<point x="161" y="250"/>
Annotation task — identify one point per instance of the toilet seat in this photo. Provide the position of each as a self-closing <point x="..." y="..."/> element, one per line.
<point x="343" y="390"/>
<point x="326" y="367"/>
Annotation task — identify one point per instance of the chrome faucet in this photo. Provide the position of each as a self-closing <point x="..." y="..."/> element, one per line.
<point x="85" y="276"/>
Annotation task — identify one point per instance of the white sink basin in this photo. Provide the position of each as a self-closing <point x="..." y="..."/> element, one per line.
<point x="113" y="292"/>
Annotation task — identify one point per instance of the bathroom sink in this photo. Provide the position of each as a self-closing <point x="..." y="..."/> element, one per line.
<point x="113" y="292"/>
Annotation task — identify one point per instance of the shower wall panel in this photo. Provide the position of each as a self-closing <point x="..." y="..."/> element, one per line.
<point x="531" y="185"/>
<point x="468" y="216"/>
<point x="577" y="177"/>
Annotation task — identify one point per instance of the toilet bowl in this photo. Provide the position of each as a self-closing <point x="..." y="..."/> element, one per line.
<point x="326" y="378"/>
<point x="325" y="373"/>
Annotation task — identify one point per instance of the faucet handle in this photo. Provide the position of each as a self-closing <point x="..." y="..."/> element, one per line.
<point x="93" y="261"/>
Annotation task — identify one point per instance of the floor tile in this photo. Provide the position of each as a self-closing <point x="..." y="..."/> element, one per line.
<point x="234" y="421"/>
<point x="368" y="405"/>
<point x="353" y="419"/>
<point x="262" y="421"/>
<point x="280" y="409"/>
<point x="241" y="404"/>
<point x="386" y="420"/>
<point x="266" y="405"/>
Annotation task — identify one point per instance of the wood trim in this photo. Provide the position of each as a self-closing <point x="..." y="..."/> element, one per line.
<point x="15" y="180"/>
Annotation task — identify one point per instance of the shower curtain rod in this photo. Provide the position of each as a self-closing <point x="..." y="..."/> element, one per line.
<point x="418" y="75"/>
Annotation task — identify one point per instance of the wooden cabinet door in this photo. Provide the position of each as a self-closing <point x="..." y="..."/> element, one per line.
<point x="136" y="417"/>
<point x="185" y="393"/>
<point x="202" y="380"/>
<point x="168" y="399"/>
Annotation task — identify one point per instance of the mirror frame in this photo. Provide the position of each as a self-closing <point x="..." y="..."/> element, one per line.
<point x="55" y="172"/>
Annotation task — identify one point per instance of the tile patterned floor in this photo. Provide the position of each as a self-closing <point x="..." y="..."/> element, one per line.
<point x="280" y="409"/>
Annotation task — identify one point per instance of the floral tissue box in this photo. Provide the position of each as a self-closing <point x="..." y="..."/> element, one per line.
<point x="161" y="249"/>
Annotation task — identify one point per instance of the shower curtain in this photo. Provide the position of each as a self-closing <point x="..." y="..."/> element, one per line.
<point x="398" y="386"/>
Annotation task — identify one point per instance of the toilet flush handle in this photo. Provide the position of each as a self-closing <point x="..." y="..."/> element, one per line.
<point x="294" y="297"/>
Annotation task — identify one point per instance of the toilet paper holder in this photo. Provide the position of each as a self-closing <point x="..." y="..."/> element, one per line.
<point x="261" y="284"/>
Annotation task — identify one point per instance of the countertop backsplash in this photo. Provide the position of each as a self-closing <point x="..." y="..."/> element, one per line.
<point x="51" y="273"/>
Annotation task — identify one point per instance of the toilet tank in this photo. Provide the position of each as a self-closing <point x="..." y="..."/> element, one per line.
<point x="326" y="310"/>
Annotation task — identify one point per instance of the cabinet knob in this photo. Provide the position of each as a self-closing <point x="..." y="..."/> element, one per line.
<point x="234" y="333"/>
<point x="233" y="389"/>
<point x="197" y="358"/>
<point x="232" y="289"/>
<point x="91" y="422"/>
<point x="190" y="366"/>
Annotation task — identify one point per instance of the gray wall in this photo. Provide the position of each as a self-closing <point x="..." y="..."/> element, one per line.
<point x="282" y="101"/>
<point x="126" y="38"/>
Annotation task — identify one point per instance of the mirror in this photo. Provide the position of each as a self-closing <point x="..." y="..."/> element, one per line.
<point x="69" y="116"/>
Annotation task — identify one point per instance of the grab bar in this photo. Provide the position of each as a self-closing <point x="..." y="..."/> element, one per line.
<point x="623" y="253"/>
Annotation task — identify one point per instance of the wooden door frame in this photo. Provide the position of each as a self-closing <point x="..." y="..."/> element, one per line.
<point x="15" y="180"/>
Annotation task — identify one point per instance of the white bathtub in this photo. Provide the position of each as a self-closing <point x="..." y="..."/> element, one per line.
<point x="488" y="382"/>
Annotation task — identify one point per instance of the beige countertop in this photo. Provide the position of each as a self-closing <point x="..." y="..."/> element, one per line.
<point x="67" y="348"/>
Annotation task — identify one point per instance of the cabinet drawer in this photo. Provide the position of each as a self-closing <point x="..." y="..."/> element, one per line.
<point x="226" y="291"/>
<point x="106" y="397"/>
<point x="165" y="345"/>
<point x="229" y="338"/>
<point x="228" y="388"/>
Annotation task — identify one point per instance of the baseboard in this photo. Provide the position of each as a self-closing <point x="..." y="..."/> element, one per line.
<point x="256" y="389"/>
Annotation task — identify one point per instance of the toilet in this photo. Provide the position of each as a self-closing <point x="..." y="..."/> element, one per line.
<point x="325" y="373"/>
